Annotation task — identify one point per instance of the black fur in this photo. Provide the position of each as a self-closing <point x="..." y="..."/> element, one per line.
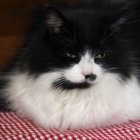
<point x="65" y="84"/>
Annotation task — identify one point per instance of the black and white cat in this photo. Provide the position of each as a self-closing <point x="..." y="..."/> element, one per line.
<point x="80" y="67"/>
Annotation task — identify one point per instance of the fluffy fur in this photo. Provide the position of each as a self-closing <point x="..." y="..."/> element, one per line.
<point x="79" y="68"/>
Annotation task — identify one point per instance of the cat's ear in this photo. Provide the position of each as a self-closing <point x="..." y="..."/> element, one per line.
<point x="54" y="20"/>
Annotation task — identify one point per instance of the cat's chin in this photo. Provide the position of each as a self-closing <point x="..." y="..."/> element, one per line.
<point x="65" y="84"/>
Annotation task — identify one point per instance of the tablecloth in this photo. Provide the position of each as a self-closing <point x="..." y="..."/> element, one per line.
<point x="13" y="127"/>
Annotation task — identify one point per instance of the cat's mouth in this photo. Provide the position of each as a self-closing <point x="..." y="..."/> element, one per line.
<point x="65" y="84"/>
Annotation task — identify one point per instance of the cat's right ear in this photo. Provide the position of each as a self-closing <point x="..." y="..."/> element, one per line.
<point x="54" y="20"/>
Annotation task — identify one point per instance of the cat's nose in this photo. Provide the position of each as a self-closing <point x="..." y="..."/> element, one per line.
<point x="90" y="77"/>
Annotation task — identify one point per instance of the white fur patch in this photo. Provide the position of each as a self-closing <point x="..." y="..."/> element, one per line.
<point x="106" y="102"/>
<point x="86" y="66"/>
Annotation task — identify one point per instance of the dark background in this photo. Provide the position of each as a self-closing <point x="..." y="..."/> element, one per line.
<point x="15" y="19"/>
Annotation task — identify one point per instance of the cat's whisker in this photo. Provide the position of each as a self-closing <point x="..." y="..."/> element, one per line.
<point x="104" y="34"/>
<point x="133" y="21"/>
<point x="108" y="36"/>
<point x="114" y="68"/>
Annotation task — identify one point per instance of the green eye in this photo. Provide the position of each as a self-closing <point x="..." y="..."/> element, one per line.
<point x="100" y="55"/>
<point x="70" y="55"/>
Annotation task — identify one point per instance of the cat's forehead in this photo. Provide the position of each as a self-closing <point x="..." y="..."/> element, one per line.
<point x="84" y="27"/>
<point x="85" y="17"/>
<point x="90" y="25"/>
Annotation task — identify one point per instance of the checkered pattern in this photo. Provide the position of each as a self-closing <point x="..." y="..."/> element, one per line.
<point x="12" y="127"/>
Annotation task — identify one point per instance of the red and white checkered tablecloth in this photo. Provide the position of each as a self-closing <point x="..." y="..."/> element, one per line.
<point x="13" y="127"/>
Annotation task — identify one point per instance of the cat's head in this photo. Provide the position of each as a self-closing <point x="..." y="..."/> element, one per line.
<point x="82" y="46"/>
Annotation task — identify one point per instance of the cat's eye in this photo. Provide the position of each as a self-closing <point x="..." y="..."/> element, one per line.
<point x="100" y="55"/>
<point x="71" y="55"/>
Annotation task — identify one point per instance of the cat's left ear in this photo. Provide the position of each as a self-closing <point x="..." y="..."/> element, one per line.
<point x="54" y="20"/>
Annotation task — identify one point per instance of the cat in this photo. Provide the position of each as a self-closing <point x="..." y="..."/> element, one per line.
<point x="79" y="68"/>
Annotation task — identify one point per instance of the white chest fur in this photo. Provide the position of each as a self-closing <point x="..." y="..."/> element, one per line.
<point x="107" y="102"/>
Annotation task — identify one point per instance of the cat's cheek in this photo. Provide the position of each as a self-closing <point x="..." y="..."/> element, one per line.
<point x="99" y="72"/>
<point x="74" y="74"/>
